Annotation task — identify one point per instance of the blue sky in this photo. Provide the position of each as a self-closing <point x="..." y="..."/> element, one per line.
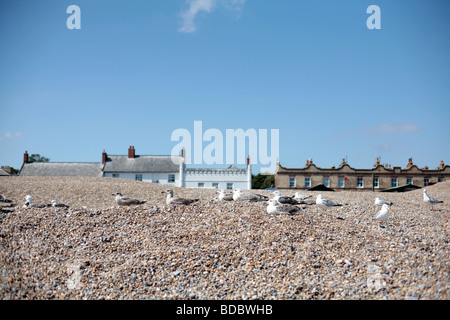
<point x="138" y="70"/>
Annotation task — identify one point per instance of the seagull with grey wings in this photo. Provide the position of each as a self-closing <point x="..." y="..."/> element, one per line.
<point x="177" y="200"/>
<point x="274" y="207"/>
<point x="238" y="195"/>
<point x="125" y="201"/>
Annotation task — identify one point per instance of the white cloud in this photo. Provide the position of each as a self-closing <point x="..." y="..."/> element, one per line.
<point x="188" y="17"/>
<point x="9" y="135"/>
<point x="196" y="6"/>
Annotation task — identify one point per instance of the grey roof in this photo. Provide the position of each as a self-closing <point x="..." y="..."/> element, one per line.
<point x="142" y="164"/>
<point x="233" y="169"/>
<point x="83" y="169"/>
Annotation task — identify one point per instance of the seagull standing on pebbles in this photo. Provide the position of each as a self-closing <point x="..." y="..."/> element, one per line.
<point x="325" y="203"/>
<point x="430" y="200"/>
<point x="275" y="207"/>
<point x="380" y="202"/>
<point x="238" y="195"/>
<point x="171" y="200"/>
<point x="125" y="201"/>
<point x="29" y="203"/>
<point x="383" y="214"/>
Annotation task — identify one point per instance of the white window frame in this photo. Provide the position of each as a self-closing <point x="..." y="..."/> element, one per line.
<point x="339" y="182"/>
<point x="215" y="185"/>
<point x="328" y="181"/>
<point x="409" y="179"/>
<point x="309" y="182"/>
<point x="138" y="177"/>
<point x="169" y="180"/>
<point x="229" y="185"/>
<point x="392" y="182"/>
<point x="362" y="182"/>
<point x="426" y="181"/>
<point x="376" y="182"/>
<point x="292" y="182"/>
<point x="201" y="185"/>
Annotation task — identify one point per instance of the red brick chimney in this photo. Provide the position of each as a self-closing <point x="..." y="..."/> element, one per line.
<point x="441" y="166"/>
<point x="25" y="157"/>
<point x="131" y="153"/>
<point x="104" y="155"/>
<point x="248" y="160"/>
<point x="410" y="163"/>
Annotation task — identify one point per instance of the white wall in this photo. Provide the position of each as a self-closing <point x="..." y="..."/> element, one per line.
<point x="161" y="178"/>
<point x="208" y="178"/>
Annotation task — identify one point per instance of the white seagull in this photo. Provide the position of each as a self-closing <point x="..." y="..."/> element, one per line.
<point x="430" y="200"/>
<point x="383" y="214"/>
<point x="300" y="196"/>
<point x="59" y="205"/>
<point x="29" y="203"/>
<point x="238" y="195"/>
<point x="325" y="203"/>
<point x="380" y="202"/>
<point x="223" y="196"/>
<point x="275" y="207"/>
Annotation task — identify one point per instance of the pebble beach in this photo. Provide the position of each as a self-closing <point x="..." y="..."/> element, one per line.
<point x="217" y="250"/>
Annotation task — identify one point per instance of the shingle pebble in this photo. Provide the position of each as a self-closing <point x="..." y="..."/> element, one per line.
<point x="217" y="250"/>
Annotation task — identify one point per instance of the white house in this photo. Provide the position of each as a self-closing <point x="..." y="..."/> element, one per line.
<point x="166" y="170"/>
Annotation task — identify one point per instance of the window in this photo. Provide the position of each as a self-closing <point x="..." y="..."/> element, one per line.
<point x="307" y="181"/>
<point x="440" y="179"/>
<point x="394" y="182"/>
<point x="341" y="182"/>
<point x="359" y="182"/>
<point x="291" y="181"/>
<point x="409" y="181"/>
<point x="426" y="181"/>
<point x="138" y="177"/>
<point x="171" y="178"/>
<point x="229" y="186"/>
<point x="326" y="181"/>
<point x="115" y="175"/>
<point x="376" y="182"/>
<point x="215" y="185"/>
<point x="201" y="184"/>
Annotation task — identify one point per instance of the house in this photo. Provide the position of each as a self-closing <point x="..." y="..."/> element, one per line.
<point x="161" y="169"/>
<point x="74" y="169"/>
<point x="345" y="177"/>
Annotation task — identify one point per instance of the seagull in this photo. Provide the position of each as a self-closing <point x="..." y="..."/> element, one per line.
<point x="301" y="196"/>
<point x="59" y="205"/>
<point x="380" y="202"/>
<point x="325" y="203"/>
<point x="284" y="199"/>
<point x="171" y="200"/>
<point x="238" y="195"/>
<point x="223" y="196"/>
<point x="429" y="199"/>
<point x="125" y="201"/>
<point x="29" y="203"/>
<point x="275" y="207"/>
<point x="383" y="214"/>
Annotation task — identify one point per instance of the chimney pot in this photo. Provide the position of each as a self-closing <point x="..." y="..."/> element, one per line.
<point x="131" y="152"/>
<point x="104" y="155"/>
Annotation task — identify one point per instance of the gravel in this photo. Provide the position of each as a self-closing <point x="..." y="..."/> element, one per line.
<point x="217" y="250"/>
